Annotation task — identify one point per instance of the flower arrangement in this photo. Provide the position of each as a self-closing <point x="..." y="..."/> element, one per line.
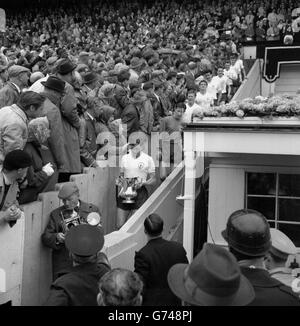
<point x="275" y="106"/>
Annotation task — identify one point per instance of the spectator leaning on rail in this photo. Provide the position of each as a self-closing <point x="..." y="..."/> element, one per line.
<point x="14" y="170"/>
<point x="78" y="284"/>
<point x="248" y="236"/>
<point x="276" y="260"/>
<point x="153" y="262"/>
<point x="18" y="80"/>
<point x="14" y="121"/>
<point x="213" y="278"/>
<point x="120" y="287"/>
<point x="57" y="227"/>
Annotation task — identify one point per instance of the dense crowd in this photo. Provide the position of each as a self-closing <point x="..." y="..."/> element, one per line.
<point x="84" y="83"/>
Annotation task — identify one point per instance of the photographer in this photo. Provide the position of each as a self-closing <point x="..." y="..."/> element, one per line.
<point x="55" y="232"/>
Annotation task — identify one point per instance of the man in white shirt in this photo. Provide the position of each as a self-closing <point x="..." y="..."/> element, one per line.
<point x="203" y="99"/>
<point x="135" y="164"/>
<point x="221" y="86"/>
<point x="190" y="106"/>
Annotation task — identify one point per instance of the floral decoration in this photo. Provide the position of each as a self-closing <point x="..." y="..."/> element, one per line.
<point x="275" y="106"/>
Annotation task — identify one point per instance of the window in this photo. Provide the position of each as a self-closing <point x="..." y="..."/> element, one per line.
<point x="277" y="196"/>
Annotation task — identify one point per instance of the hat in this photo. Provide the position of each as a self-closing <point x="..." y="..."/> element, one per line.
<point x="282" y="245"/>
<point x="123" y="75"/>
<point x="17" y="159"/>
<point x="90" y="77"/>
<point x="36" y="76"/>
<point x="51" y="61"/>
<point x="135" y="62"/>
<point x="84" y="54"/>
<point x="68" y="189"/>
<point x="84" y="240"/>
<point x="65" y="67"/>
<point x="212" y="279"/>
<point x="54" y="83"/>
<point x="192" y="65"/>
<point x="15" y="70"/>
<point x="248" y="232"/>
<point x="82" y="67"/>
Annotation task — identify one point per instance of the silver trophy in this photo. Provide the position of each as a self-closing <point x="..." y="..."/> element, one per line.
<point x="127" y="189"/>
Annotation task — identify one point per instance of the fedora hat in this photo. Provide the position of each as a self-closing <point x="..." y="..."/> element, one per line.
<point x="212" y="279"/>
<point x="90" y="77"/>
<point x="136" y="62"/>
<point x="54" y="83"/>
<point x="65" y="67"/>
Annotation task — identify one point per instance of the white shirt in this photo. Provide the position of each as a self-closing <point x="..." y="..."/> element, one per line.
<point x="204" y="100"/>
<point x="212" y="88"/>
<point x="220" y="83"/>
<point x="187" y="116"/>
<point x="138" y="167"/>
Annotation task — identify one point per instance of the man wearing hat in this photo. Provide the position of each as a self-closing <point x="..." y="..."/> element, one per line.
<point x="18" y="80"/>
<point x="136" y="65"/>
<point x="84" y="58"/>
<point x="213" y="278"/>
<point x="91" y="83"/>
<point x="70" y="120"/>
<point x="248" y="235"/>
<point x="58" y="225"/>
<point x="78" y="284"/>
<point x="282" y="246"/>
<point x="14" y="170"/>
<point x="54" y="89"/>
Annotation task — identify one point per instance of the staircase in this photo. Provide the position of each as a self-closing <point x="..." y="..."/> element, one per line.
<point x="289" y="80"/>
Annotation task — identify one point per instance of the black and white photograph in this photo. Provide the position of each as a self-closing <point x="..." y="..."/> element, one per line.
<point x="149" y="156"/>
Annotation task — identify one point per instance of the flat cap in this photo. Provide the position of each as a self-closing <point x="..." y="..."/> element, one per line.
<point x="68" y="189"/>
<point x="15" y="70"/>
<point x="282" y="245"/>
<point x="51" y="61"/>
<point x="84" y="54"/>
<point x="17" y="159"/>
<point x="84" y="240"/>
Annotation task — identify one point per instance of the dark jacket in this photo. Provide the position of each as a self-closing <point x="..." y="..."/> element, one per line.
<point x="131" y="117"/>
<point x="8" y="95"/>
<point x="60" y="255"/>
<point x="77" y="286"/>
<point x="37" y="179"/>
<point x="152" y="263"/>
<point x="56" y="140"/>
<point x="87" y="138"/>
<point x="122" y="99"/>
<point x="269" y="291"/>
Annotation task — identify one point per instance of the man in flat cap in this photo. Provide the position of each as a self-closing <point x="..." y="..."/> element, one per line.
<point x="18" y="80"/>
<point x="78" y="284"/>
<point x="14" y="170"/>
<point x="73" y="211"/>
<point x="121" y="92"/>
<point x="276" y="260"/>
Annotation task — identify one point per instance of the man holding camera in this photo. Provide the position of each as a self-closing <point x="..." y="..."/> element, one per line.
<point x="73" y="212"/>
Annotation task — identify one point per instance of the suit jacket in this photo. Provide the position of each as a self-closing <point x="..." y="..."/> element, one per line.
<point x="8" y="95"/>
<point x="152" y="263"/>
<point x="77" y="285"/>
<point x="60" y="255"/>
<point x="269" y="291"/>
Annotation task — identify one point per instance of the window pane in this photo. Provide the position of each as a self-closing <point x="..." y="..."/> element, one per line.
<point x="289" y="210"/>
<point x="261" y="183"/>
<point x="292" y="231"/>
<point x="264" y="205"/>
<point x="289" y="185"/>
